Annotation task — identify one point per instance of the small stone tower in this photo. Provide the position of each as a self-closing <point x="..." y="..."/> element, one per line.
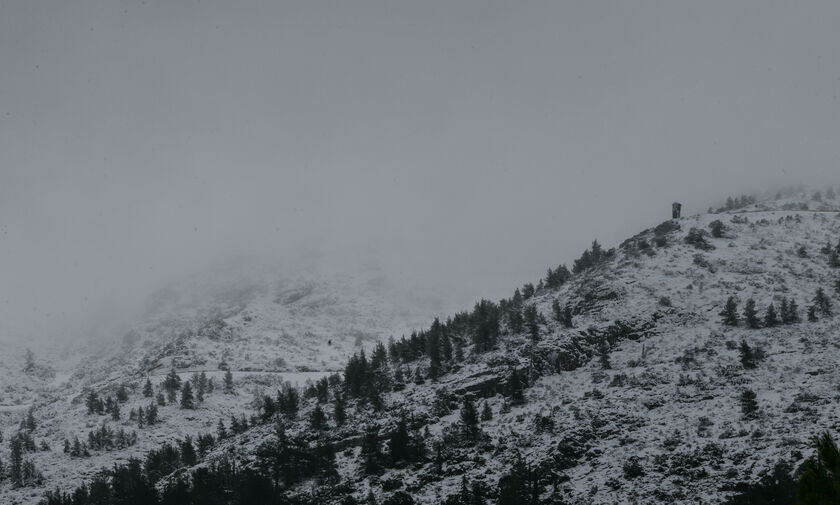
<point x="676" y="209"/>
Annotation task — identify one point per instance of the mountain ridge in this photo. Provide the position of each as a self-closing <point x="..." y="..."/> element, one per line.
<point x="645" y="351"/>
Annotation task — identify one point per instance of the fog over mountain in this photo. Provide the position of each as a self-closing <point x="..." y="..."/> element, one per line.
<point x="419" y="252"/>
<point x="462" y="147"/>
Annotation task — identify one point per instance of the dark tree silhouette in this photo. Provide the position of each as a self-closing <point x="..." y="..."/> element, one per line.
<point x="730" y="312"/>
<point x="187" y="399"/>
<point x="751" y="314"/>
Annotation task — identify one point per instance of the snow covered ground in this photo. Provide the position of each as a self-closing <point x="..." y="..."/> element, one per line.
<point x="668" y="406"/>
<point x="280" y="329"/>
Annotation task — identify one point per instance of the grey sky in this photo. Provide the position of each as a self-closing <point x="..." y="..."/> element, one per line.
<point x="471" y="144"/>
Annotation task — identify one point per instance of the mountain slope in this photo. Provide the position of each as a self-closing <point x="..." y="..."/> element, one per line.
<point x="266" y="327"/>
<point x="646" y="397"/>
<point x="665" y="422"/>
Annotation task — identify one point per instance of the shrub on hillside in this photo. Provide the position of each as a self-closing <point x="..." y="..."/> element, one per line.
<point x="697" y="238"/>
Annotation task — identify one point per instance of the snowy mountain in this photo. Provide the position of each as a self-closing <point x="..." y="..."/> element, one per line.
<point x="618" y="380"/>
<point x="265" y="327"/>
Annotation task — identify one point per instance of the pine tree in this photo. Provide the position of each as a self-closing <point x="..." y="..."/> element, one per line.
<point x="562" y="315"/>
<point x="15" y="461"/>
<point x="188" y="456"/>
<point x="433" y="349"/>
<point x="151" y="414"/>
<point x="747" y="355"/>
<point x="417" y="444"/>
<point x="819" y="480"/>
<point x="834" y="259"/>
<point x="515" y="320"/>
<point x="485" y="323"/>
<point x="469" y="419"/>
<point x="115" y="412"/>
<point x="228" y="382"/>
<point x="556" y="310"/>
<point x="172" y="382"/>
<point x="393" y="351"/>
<point x="567" y="317"/>
<point x="751" y="315"/>
<point x="29" y="474"/>
<point x="122" y="394"/>
<point x="784" y="311"/>
<point x="202" y="386"/>
<point x="464" y="495"/>
<point x="338" y="410"/>
<point x="532" y="322"/>
<point x="77" y="450"/>
<point x="518" y="486"/>
<point x="812" y="314"/>
<point x="749" y="405"/>
<point x="317" y="418"/>
<point x="770" y="317"/>
<point x="730" y="312"/>
<point x="379" y="358"/>
<point x="355" y="374"/>
<point x="187" y="400"/>
<point x="486" y="412"/>
<point x="288" y="401"/>
<point x="204" y="444"/>
<point x="269" y="408"/>
<point x="323" y="456"/>
<point x="418" y="376"/>
<point x="109" y="405"/>
<point x="147" y="389"/>
<point x="459" y="351"/>
<point x="516" y="299"/>
<point x="235" y="427"/>
<point x="29" y="361"/>
<point x="29" y="422"/>
<point x="557" y="278"/>
<point x="446" y="347"/>
<point x="221" y="432"/>
<point x="194" y="380"/>
<point x="399" y="442"/>
<point x="371" y="452"/>
<point x="515" y="388"/>
<point x="822" y="303"/>
<point x="399" y="378"/>
<point x="793" y="312"/>
<point x="717" y="228"/>
<point x="92" y="402"/>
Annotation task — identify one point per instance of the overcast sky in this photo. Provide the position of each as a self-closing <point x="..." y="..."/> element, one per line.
<point x="471" y="144"/>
